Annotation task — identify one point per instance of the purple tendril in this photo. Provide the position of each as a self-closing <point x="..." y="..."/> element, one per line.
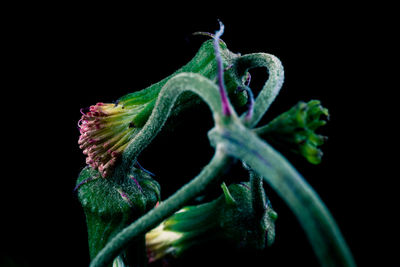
<point x="224" y="98"/>
<point x="250" y="103"/>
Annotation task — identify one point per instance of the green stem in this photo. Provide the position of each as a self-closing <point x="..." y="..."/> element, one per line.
<point x="319" y="225"/>
<point x="167" y="97"/>
<point x="231" y="137"/>
<point x="183" y="82"/>
<point x="271" y="88"/>
<point x="155" y="216"/>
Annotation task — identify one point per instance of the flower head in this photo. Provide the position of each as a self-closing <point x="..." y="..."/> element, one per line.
<point x="229" y="217"/>
<point x="106" y="130"/>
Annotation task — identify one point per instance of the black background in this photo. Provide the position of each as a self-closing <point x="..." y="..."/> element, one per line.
<point x="62" y="58"/>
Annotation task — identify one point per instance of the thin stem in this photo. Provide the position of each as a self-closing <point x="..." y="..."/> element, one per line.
<point x="319" y="225"/>
<point x="154" y="217"/>
<point x="250" y="103"/>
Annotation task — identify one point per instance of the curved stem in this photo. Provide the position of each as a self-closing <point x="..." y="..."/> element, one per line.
<point x="230" y="137"/>
<point x="193" y="82"/>
<point x="154" y="217"/>
<point x="183" y="82"/>
<point x="271" y="88"/>
<point x="319" y="225"/>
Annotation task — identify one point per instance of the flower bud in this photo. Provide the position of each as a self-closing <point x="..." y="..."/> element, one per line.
<point x="106" y="130"/>
<point x="295" y="130"/>
<point x="111" y="205"/>
<point x="231" y="217"/>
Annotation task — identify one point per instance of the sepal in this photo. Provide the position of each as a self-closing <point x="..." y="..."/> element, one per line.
<point x="230" y="218"/>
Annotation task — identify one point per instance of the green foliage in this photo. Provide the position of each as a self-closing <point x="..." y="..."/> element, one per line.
<point x="120" y="212"/>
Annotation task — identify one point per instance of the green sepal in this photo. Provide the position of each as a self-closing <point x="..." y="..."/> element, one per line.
<point x="295" y="130"/>
<point x="111" y="205"/>
<point x="142" y="116"/>
<point x="228" y="197"/>
<point x="242" y="225"/>
<point x="231" y="217"/>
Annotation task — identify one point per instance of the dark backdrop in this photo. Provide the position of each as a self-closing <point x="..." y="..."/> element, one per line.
<point x="72" y="57"/>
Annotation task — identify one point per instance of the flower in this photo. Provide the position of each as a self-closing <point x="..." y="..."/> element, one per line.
<point x="106" y="130"/>
<point x="159" y="240"/>
<point x="229" y="217"/>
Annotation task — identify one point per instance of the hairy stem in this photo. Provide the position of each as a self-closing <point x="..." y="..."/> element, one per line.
<point x="208" y="91"/>
<point x="231" y="137"/>
<point x="271" y="87"/>
<point x="319" y="225"/>
<point x="154" y="217"/>
<point x="183" y="82"/>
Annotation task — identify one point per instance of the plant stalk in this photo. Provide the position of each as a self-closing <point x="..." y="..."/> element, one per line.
<point x="212" y="171"/>
<point x="316" y="220"/>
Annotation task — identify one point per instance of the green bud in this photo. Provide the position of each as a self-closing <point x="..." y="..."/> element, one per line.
<point x="231" y="217"/>
<point x="241" y="224"/>
<point x="111" y="205"/>
<point x="295" y="130"/>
